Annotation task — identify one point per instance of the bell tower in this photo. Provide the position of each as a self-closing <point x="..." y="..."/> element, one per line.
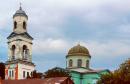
<point x="19" y="64"/>
<point x="20" y="21"/>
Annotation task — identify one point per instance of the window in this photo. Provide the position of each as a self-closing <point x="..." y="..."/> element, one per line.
<point x="79" y="64"/>
<point x="28" y="74"/>
<point x="12" y="73"/>
<point x="70" y="63"/>
<point x="9" y="73"/>
<point x="25" y="52"/>
<point x="15" y="25"/>
<point x="31" y="74"/>
<point x="87" y="64"/>
<point x="24" y="25"/>
<point x="13" y="51"/>
<point x="23" y="74"/>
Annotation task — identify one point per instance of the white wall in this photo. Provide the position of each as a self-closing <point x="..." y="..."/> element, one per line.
<point x="26" y="68"/>
<point x="75" y="58"/>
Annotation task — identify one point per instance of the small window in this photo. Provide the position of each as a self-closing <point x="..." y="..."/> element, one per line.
<point x="79" y="63"/>
<point x="12" y="73"/>
<point x="15" y="25"/>
<point x="9" y="73"/>
<point x="28" y="74"/>
<point x="70" y="63"/>
<point x="13" y="51"/>
<point x="87" y="64"/>
<point x="23" y="74"/>
<point x="24" y="25"/>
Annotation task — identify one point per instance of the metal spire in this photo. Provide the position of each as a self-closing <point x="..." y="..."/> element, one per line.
<point x="20" y="6"/>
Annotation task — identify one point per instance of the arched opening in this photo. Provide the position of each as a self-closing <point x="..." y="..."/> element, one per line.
<point x="15" y="24"/>
<point x="25" y="52"/>
<point x="70" y="63"/>
<point x="79" y="64"/>
<point x="13" y="51"/>
<point x="24" y="25"/>
<point x="87" y="64"/>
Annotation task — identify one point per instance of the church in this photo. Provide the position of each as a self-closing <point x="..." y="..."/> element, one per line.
<point x="78" y="63"/>
<point x="19" y="64"/>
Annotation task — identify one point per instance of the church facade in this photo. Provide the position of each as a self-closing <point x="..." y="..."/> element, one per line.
<point x="78" y="63"/>
<point x="19" y="64"/>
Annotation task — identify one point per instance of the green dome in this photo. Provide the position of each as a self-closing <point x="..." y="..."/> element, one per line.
<point x="78" y="50"/>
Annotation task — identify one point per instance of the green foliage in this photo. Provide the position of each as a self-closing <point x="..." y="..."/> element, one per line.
<point x="2" y="70"/>
<point x="35" y="74"/>
<point x="56" y="72"/>
<point x="120" y="76"/>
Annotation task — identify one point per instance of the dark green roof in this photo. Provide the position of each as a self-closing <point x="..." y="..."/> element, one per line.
<point x="25" y="34"/>
<point x="20" y="12"/>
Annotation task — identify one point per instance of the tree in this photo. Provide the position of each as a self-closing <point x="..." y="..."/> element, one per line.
<point x="28" y="76"/>
<point x="120" y="76"/>
<point x="56" y="72"/>
<point x="35" y="74"/>
<point x="2" y="70"/>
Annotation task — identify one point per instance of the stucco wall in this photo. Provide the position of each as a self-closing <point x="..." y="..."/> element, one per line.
<point x="20" y="20"/>
<point x="26" y="68"/>
<point x="75" y="58"/>
<point x="19" y="46"/>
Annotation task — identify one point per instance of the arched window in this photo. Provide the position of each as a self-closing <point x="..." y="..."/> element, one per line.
<point x="24" y="25"/>
<point x="79" y="63"/>
<point x="87" y="64"/>
<point x="13" y="51"/>
<point x="25" y="52"/>
<point x="15" y="25"/>
<point x="70" y="63"/>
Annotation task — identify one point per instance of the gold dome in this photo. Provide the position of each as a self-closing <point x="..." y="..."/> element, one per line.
<point x="78" y="50"/>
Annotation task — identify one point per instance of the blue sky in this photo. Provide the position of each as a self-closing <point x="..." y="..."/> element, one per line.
<point x="57" y="25"/>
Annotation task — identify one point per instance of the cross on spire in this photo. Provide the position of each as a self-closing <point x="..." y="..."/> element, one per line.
<point x="20" y="6"/>
<point x="79" y="43"/>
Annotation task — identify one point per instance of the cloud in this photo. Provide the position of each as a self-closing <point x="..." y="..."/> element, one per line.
<point x="124" y="28"/>
<point x="50" y="45"/>
<point x="110" y="48"/>
<point x="103" y="24"/>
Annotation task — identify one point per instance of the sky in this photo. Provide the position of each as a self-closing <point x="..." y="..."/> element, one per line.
<point x="102" y="26"/>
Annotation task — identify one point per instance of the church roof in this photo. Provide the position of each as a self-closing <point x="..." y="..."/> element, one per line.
<point x="25" y="34"/>
<point x="20" y="12"/>
<point x="78" y="50"/>
<point x="56" y="80"/>
<point x="82" y="70"/>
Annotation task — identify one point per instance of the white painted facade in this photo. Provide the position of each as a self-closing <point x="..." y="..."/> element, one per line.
<point x="16" y="71"/>
<point x="24" y="68"/>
